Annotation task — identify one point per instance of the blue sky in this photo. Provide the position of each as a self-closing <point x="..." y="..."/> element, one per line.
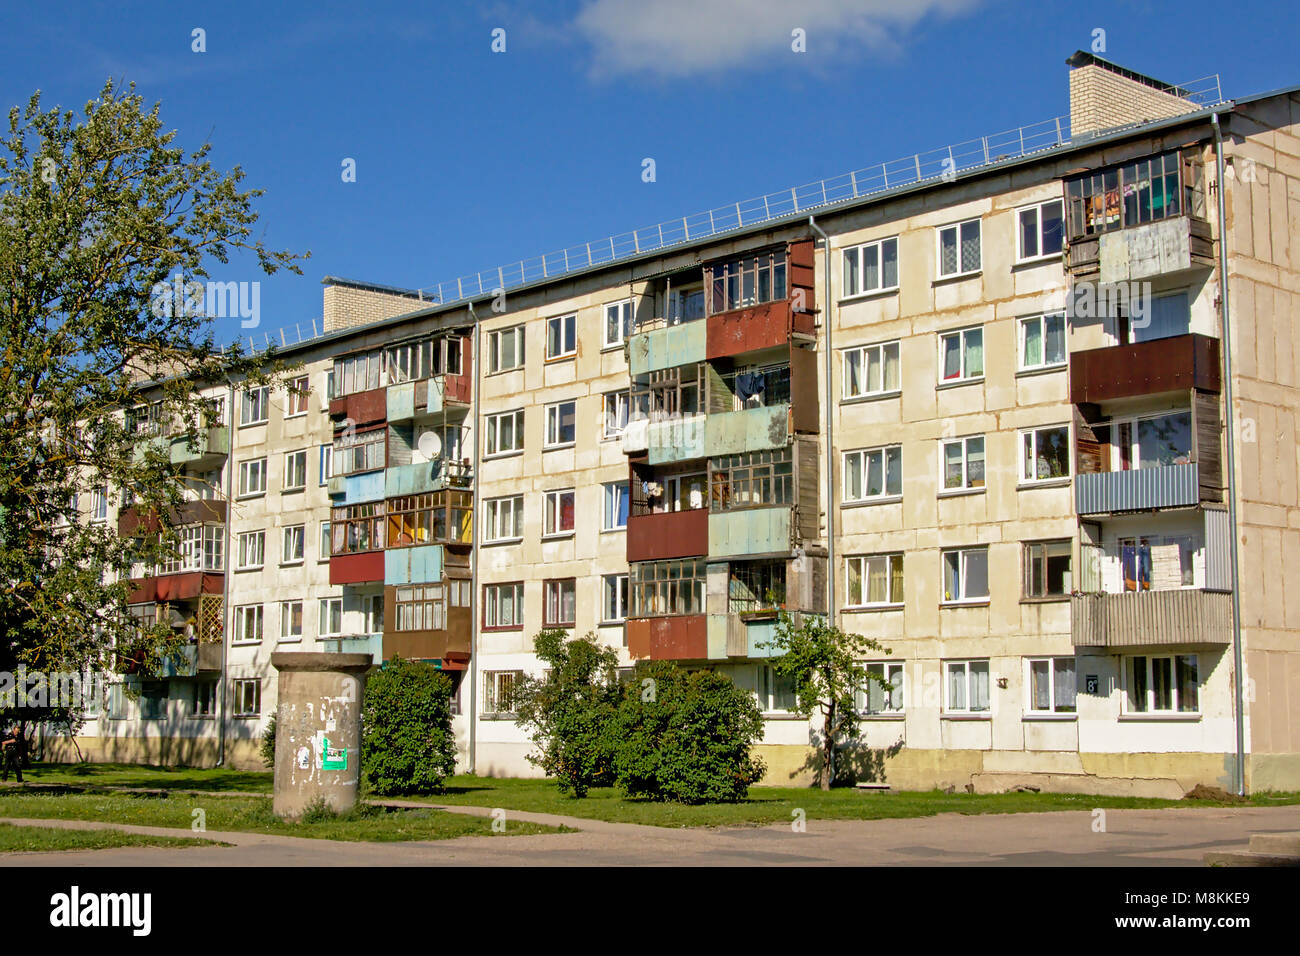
<point x="466" y="158"/>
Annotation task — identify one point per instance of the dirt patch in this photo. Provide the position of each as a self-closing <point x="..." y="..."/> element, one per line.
<point x="1217" y="794"/>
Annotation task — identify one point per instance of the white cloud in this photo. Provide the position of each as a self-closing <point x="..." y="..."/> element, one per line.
<point x="679" y="38"/>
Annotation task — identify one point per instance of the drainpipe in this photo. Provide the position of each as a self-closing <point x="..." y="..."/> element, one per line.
<point x="1231" y="431"/>
<point x="830" y="436"/>
<point x="475" y="530"/>
<point x="227" y="614"/>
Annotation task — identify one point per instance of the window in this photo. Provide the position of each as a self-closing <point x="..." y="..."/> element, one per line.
<point x="153" y="700"/>
<point x="746" y="282"/>
<point x="614" y="603"/>
<point x="248" y="697"/>
<point x="326" y="463"/>
<point x="324" y="553"/>
<point x="331" y="617"/>
<point x="252" y="477"/>
<point x="667" y="394"/>
<point x="1157" y="562"/>
<point x="420" y="608"/>
<point x="200" y="548"/>
<point x="203" y="703"/>
<point x="675" y="493"/>
<point x="1151" y="441"/>
<point x="372" y="613"/>
<point x="873" y="370"/>
<point x="503" y="518"/>
<point x="1045" y="453"/>
<point x="358" y="451"/>
<point x="290" y="620"/>
<point x="618" y="322"/>
<point x="1042" y="341"/>
<point x="873" y="474"/>
<point x="967" y="687"/>
<point x="295" y="471"/>
<point x="440" y="516"/>
<point x="295" y="542"/>
<point x="874" y="580"/>
<point x="503" y="605"/>
<point x="499" y="691"/>
<point x="248" y="624"/>
<point x="357" y="528"/>
<point x="252" y="550"/>
<point x="614" y="413"/>
<point x="666" y="588"/>
<point x="1048" y="569"/>
<point x="871" y="267"/>
<point x="755" y="387"/>
<point x="962" y="461"/>
<point x="254" y="408"/>
<point x="330" y="391"/>
<point x="617" y="499"/>
<point x="961" y="355"/>
<point x="1140" y="192"/>
<point x="959" y="248"/>
<point x="686" y="305"/>
<point x="559" y="513"/>
<point x="1162" y="685"/>
<point x="561" y="336"/>
<point x="358" y="373"/>
<point x="410" y="361"/>
<point x="1166" y="316"/>
<point x="775" y="692"/>
<point x="99" y="504"/>
<point x="1040" y="230"/>
<point x="505" y="349"/>
<point x="561" y="602"/>
<point x="505" y="433"/>
<point x="965" y="575"/>
<point x="561" y="424"/>
<point x="299" y="391"/>
<point x="755" y="586"/>
<point x="1051" y="685"/>
<point x="883" y="695"/>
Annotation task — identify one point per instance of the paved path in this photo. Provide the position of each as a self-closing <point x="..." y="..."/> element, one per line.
<point x="1161" y="838"/>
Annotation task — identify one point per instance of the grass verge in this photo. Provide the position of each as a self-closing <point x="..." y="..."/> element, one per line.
<point x="35" y="839"/>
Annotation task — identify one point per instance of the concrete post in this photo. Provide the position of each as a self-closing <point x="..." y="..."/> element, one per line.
<point x="318" y="730"/>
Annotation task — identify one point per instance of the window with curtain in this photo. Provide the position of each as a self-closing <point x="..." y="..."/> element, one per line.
<point x="1042" y="341"/>
<point x="1052" y="685"/>
<point x="959" y="248"/>
<point x="874" y="580"/>
<point x="968" y="686"/>
<point x="884" y="693"/>
<point x="871" y="370"/>
<point x="873" y="473"/>
<point x="961" y="354"/>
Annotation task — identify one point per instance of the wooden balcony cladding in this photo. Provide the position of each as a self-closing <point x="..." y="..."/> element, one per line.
<point x="1178" y="363"/>
<point x="362" y="568"/>
<point x="684" y="638"/>
<point x="361" y="408"/>
<point x="672" y="534"/>
<point x="452" y="644"/>
<point x="206" y="511"/>
<point x="186" y="586"/>
<point x="1151" y="618"/>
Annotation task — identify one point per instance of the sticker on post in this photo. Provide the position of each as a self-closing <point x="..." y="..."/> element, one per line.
<point x="336" y="758"/>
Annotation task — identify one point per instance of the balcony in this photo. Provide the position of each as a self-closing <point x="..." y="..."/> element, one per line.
<point x="418" y="565"/>
<point x="751" y="429"/>
<point x="190" y="661"/>
<point x="424" y="477"/>
<point x="361" y="408"/>
<point x="1142" y="252"/>
<point x="210" y="449"/>
<point x="684" y="638"/>
<point x="751" y="532"/>
<point x="1142" y="489"/>
<point x="449" y="648"/>
<point x="1151" y="618"/>
<point x="182" y="586"/>
<point x="199" y="511"/>
<point x="668" y="347"/>
<point x="760" y="327"/>
<point x="360" y="568"/>
<point x="428" y="397"/>
<point x="1178" y="363"/>
<point x="372" y="644"/>
<point x="667" y="535"/>
<point x="665" y="442"/>
<point x="358" y="488"/>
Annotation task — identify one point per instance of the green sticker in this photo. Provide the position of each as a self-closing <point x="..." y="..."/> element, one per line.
<point x="336" y="758"/>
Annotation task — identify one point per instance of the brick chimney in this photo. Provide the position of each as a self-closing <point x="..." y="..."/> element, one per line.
<point x="349" y="304"/>
<point x="1105" y="96"/>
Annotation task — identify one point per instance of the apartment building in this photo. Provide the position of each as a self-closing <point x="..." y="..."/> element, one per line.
<point x="1029" y="422"/>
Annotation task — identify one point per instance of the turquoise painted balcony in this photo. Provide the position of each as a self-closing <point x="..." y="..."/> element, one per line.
<point x="429" y="396"/>
<point x="355" y="489"/>
<point x="751" y="429"/>
<point x="678" y="439"/>
<point x="424" y="477"/>
<point x="741" y="636"/>
<point x="418" y="565"/>
<point x="372" y="644"/>
<point x="210" y="449"/>
<point x="668" y="347"/>
<point x="751" y="532"/>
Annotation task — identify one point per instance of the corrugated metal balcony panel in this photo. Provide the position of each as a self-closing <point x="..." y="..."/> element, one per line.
<point x="1151" y="618"/>
<point x="1140" y="489"/>
<point x="414" y="479"/>
<point x="668" y="347"/>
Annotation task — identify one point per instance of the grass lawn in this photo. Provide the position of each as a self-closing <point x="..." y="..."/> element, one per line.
<point x="252" y="814"/>
<point x="16" y="839"/>
<point x="133" y="775"/>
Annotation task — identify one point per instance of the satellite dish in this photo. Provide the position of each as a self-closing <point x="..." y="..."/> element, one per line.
<point x="430" y="445"/>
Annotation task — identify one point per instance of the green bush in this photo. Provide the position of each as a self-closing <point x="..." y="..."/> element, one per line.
<point x="267" y="749"/>
<point x="686" y="736"/>
<point x="571" y="710"/>
<point x="407" y="745"/>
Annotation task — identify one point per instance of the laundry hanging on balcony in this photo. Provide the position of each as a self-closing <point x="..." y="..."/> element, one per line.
<point x="750" y="385"/>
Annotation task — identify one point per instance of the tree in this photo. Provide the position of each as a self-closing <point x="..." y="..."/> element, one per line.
<point x="687" y="736"/>
<point x="407" y="744"/>
<point x="98" y="213"/>
<point x="570" y="711"/>
<point x="823" y="664"/>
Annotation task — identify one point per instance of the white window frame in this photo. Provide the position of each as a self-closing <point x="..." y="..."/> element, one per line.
<point x="99" y="505"/>
<point x="965" y="373"/>
<point x="492" y="690"/>
<point x="862" y="355"/>
<point x="865" y="455"/>
<point x="293" y="533"/>
<point x="965" y="487"/>
<point x="243" y="613"/>
<point x="552" y="508"/>
<point x="615" y="587"/>
<point x="325" y="541"/>
<point x="492" y="594"/>
<point x="863" y="562"/>
<point x="610" y="497"/>
<point x="568" y="328"/>
<point x="895" y="673"/>
<point x="1174" y="691"/>
<point x="1037" y="210"/>
<point x="938" y="248"/>
<point x="765" y="690"/>
<point x="291" y="460"/>
<point x="1054" y="708"/>
<point x="963" y="557"/>
<point x="286" y="622"/>
<point x="495" y="338"/>
<point x="1033" y="433"/>
<point x="622" y="412"/>
<point x="1021" y="337"/>
<point x="553" y="425"/>
<point x="331" y="609"/>
<point x="326" y="462"/>
<point x="246" y="539"/>
<point x="247" y="468"/>
<point x="859" y="253"/>
<point x="492" y="434"/>
<point x="508" y="512"/>
<point x="623" y="323"/>
<point x="553" y="590"/>
<point x="298" y="390"/>
<point x="966" y="666"/>
<point x="252" y="401"/>
<point x="242" y="689"/>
